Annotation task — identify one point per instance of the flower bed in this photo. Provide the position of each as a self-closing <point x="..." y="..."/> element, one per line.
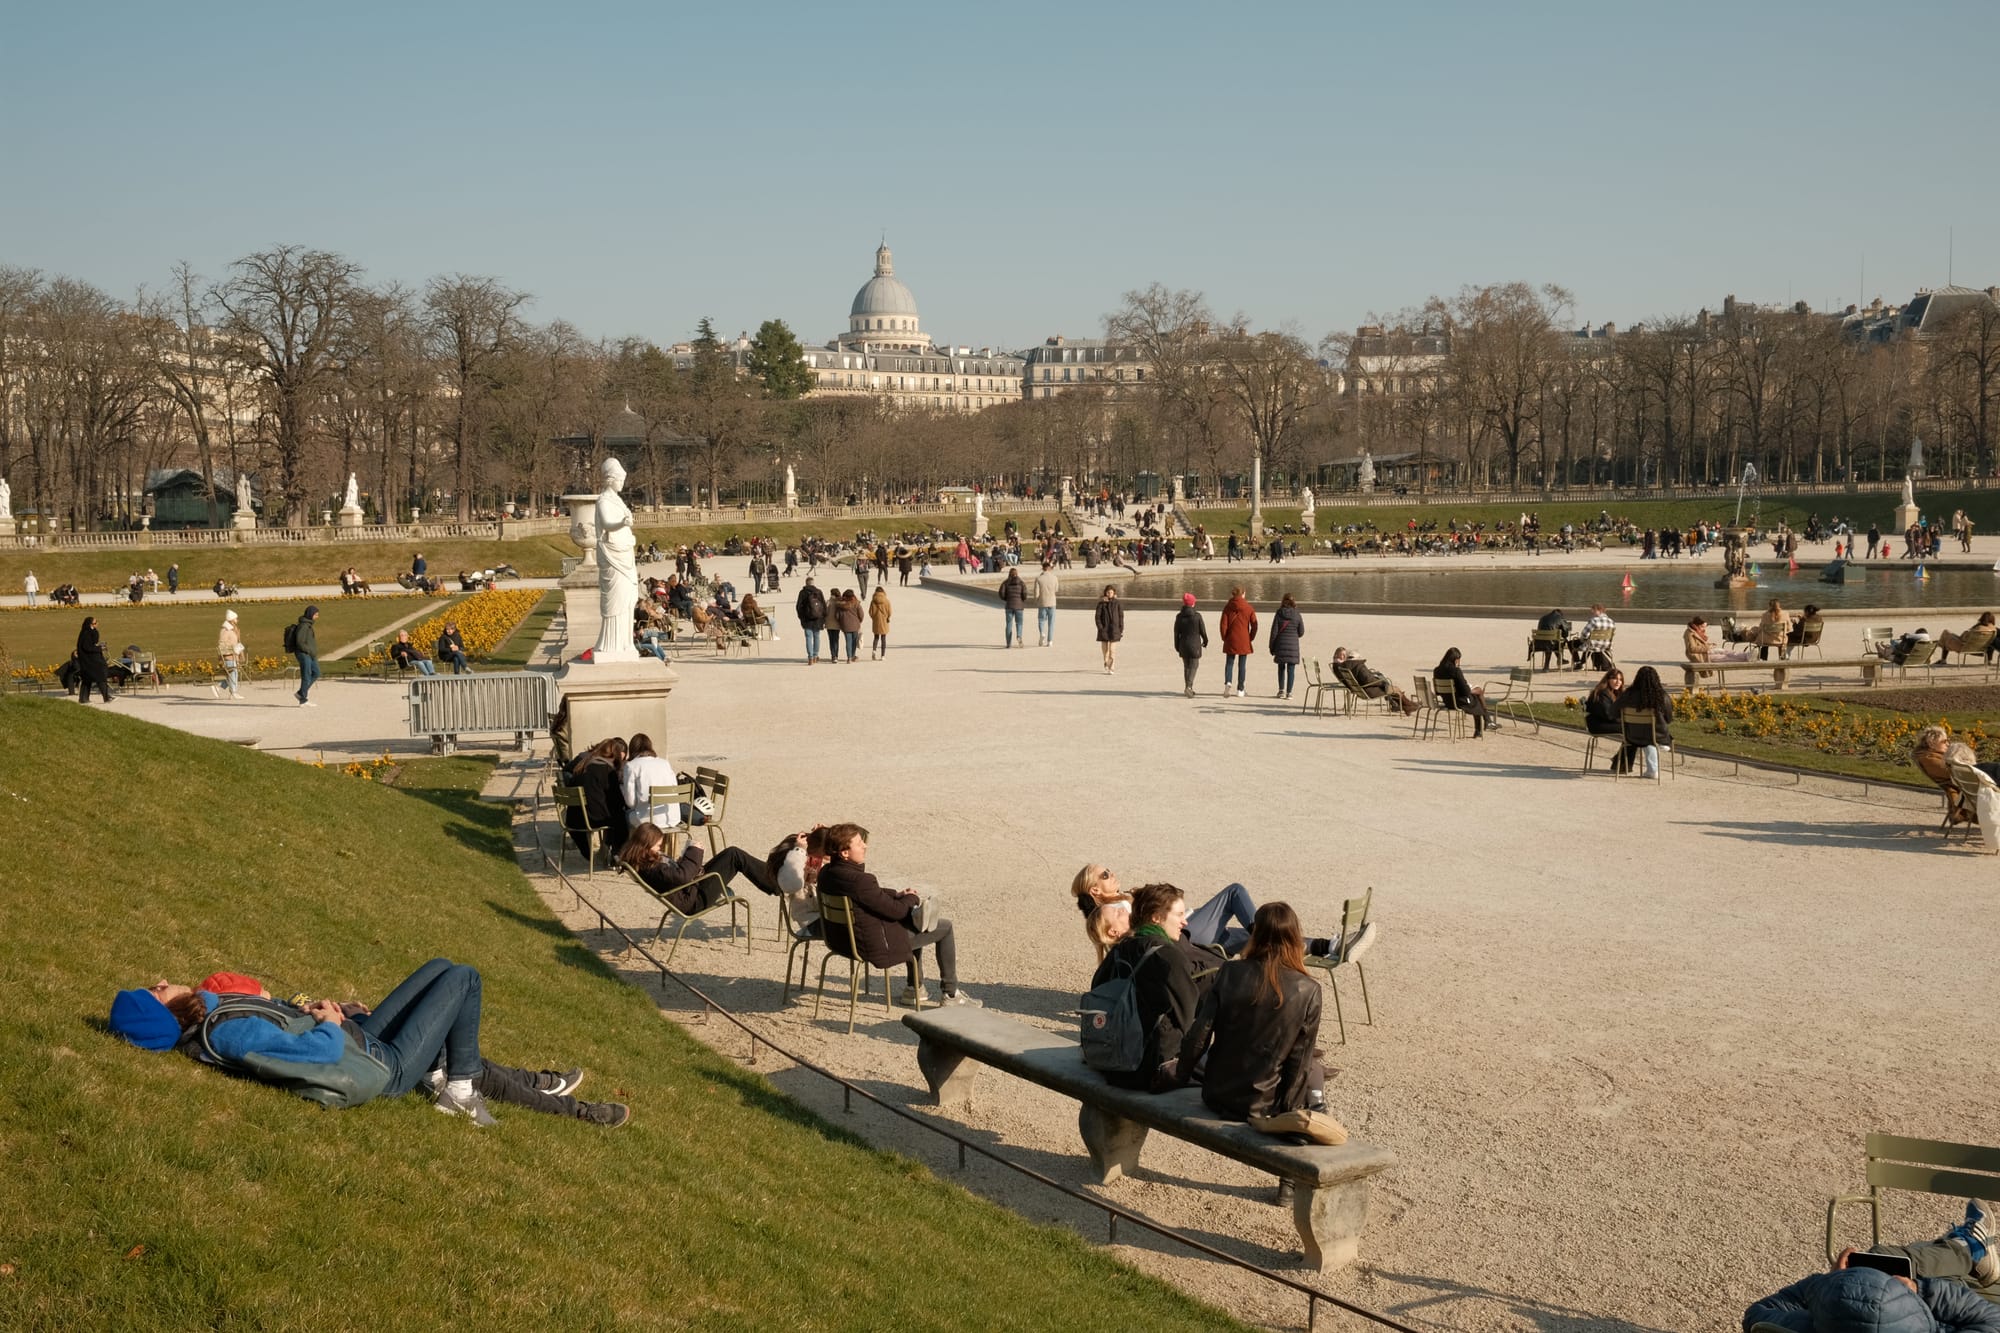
<point x="485" y="621"/>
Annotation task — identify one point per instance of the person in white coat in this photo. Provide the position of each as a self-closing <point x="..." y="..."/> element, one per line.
<point x="1046" y="586"/>
<point x="229" y="652"/>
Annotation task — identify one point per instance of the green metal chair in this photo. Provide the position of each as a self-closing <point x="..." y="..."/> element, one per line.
<point x="1549" y="643"/>
<point x="1928" y="1166"/>
<point x="1314" y="694"/>
<point x="1445" y="707"/>
<point x="716" y="784"/>
<point x="673" y="910"/>
<point x="1642" y="729"/>
<point x="571" y="798"/>
<point x="836" y="921"/>
<point x="1519" y="700"/>
<point x="1357" y="937"/>
<point x="796" y="944"/>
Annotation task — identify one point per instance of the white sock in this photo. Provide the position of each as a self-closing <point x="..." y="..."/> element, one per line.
<point x="460" y="1088"/>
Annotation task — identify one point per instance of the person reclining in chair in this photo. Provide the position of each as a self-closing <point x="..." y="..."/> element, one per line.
<point x="1897" y="651"/>
<point x="1372" y="683"/>
<point x="1953" y="1287"/>
<point x="882" y="935"/>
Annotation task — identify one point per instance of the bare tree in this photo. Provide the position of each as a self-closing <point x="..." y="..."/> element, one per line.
<point x="469" y="325"/>
<point x="1503" y="351"/>
<point x="1272" y="383"/>
<point x="289" y="308"/>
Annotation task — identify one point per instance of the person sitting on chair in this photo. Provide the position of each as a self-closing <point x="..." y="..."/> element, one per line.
<point x="881" y="935"/>
<point x="597" y="773"/>
<point x="451" y="648"/>
<point x="1600" y="706"/>
<point x="1464" y="697"/>
<point x="407" y="657"/>
<point x="1372" y="684"/>
<point x="1557" y="621"/>
<point x="1647" y="695"/>
<point x="1897" y="651"/>
<point x="1955" y="643"/>
<point x="1952" y="1286"/>
<point x="1580" y="645"/>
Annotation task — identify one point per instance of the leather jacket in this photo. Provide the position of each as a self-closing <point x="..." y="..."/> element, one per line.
<point x="1259" y="1053"/>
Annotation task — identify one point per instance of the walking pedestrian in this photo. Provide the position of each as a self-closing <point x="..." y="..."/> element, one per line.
<point x="862" y="571"/>
<point x="1190" y="637"/>
<point x="305" y="647"/>
<point x="878" y="622"/>
<point x="1238" y="628"/>
<point x="1013" y="596"/>
<point x="1046" y="587"/>
<point x="174" y="578"/>
<point x="91" y="668"/>
<point x="31" y="586"/>
<point x="846" y="624"/>
<point x="811" y="609"/>
<point x="1287" y="628"/>
<point x="1110" y="617"/>
<point x="229" y="651"/>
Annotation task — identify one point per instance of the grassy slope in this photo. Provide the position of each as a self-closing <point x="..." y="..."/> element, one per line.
<point x="144" y="1192"/>
<point x="186" y="630"/>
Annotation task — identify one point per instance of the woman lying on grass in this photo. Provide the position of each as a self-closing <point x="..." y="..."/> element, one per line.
<point x="426" y="1033"/>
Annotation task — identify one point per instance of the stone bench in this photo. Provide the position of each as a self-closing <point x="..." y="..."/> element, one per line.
<point x="1329" y="1185"/>
<point x="1717" y="672"/>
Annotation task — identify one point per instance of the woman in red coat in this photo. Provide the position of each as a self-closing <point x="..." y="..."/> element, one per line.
<point x="1239" y="637"/>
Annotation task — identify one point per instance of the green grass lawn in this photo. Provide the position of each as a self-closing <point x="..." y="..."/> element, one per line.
<point x="1982" y="506"/>
<point x="279" y="566"/>
<point x="186" y="631"/>
<point x="520" y="647"/>
<point x="143" y="1191"/>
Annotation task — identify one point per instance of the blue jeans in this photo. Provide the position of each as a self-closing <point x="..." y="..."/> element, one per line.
<point x="459" y="666"/>
<point x="308" y="673"/>
<point x="1288" y="672"/>
<point x="853" y="637"/>
<point x="423" y="666"/>
<point x="1016" y="621"/>
<point x="1239" y="663"/>
<point x="435" y="1008"/>
<point x="1209" y="923"/>
<point x="1045" y="623"/>
<point x="812" y="642"/>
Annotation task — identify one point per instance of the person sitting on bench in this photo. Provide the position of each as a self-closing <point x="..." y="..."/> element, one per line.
<point x="407" y="657"/>
<point x="1169" y="973"/>
<point x="1372" y="684"/>
<point x="1257" y="1028"/>
<point x="1951" y="1284"/>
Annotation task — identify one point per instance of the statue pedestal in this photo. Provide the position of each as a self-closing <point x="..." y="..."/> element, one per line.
<point x="617" y="698"/>
<point x="243" y="520"/>
<point x="1906" y="517"/>
<point x="7" y="528"/>
<point x="350" y="516"/>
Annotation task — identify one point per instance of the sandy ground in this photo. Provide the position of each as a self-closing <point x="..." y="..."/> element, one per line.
<point x="1627" y="1036"/>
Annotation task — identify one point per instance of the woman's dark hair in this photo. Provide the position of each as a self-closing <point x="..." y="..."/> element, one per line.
<point x="610" y="750"/>
<point x="640" y="744"/>
<point x="1697" y="620"/>
<point x="1277" y="941"/>
<point x="1450" y="659"/>
<point x="1152" y="902"/>
<point x="1645" y="693"/>
<point x="1985" y="617"/>
<point x="1110" y="590"/>
<point x="1811" y="610"/>
<point x="642" y="850"/>
<point x="1603" y="685"/>
<point x="1287" y="601"/>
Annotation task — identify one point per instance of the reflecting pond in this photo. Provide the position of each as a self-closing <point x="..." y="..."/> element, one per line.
<point x="1658" y="586"/>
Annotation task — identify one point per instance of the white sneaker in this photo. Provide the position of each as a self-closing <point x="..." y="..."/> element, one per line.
<point x="959" y="997"/>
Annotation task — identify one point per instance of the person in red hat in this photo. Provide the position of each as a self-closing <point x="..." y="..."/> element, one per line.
<point x="1190" y="638"/>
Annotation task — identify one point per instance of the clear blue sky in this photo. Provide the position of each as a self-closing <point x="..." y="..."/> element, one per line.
<point x="637" y="166"/>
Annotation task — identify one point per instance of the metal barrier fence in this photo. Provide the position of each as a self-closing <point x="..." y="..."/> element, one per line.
<point x="447" y="707"/>
<point x="849" y="1091"/>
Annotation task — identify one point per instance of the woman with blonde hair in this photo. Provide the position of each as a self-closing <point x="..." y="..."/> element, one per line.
<point x="1774" y="630"/>
<point x="1223" y="922"/>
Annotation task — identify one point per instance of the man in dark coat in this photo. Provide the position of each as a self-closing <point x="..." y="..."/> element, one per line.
<point x="1190" y="637"/>
<point x="305" y="647"/>
<point x="1955" y="1288"/>
<point x="811" y="608"/>
<point x="881" y="936"/>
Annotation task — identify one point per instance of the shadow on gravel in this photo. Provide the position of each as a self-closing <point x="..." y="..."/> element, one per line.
<point x="1532" y="1313"/>
<point x="1799" y="833"/>
<point x="1485" y="769"/>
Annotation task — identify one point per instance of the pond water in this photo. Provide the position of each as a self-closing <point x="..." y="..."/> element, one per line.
<point x="1657" y="586"/>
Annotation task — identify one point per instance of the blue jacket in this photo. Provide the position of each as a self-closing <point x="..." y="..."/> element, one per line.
<point x="1863" y="1300"/>
<point x="250" y="1035"/>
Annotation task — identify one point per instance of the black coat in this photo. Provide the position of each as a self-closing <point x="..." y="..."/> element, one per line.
<point x="1663" y="717"/>
<point x="811" y="607"/>
<point x="1600" y="715"/>
<point x="881" y="935"/>
<point x="1460" y="690"/>
<point x="1259" y="1053"/>
<point x="1168" y="986"/>
<point x="1287" y="628"/>
<point x="1110" y="620"/>
<point x="90" y="653"/>
<point x="675" y="880"/>
<point x="1190" y="635"/>
<point x="603" y="799"/>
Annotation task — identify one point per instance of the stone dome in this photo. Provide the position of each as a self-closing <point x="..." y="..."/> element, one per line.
<point x="883" y="294"/>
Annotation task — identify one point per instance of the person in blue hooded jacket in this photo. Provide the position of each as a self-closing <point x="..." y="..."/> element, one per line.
<point x="1956" y="1289"/>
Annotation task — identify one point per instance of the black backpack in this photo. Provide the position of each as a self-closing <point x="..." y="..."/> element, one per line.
<point x="1112" y="1035"/>
<point x="292" y="637"/>
<point x="356" y="1077"/>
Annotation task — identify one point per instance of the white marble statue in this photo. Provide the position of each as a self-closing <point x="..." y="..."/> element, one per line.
<point x="6" y="500"/>
<point x="791" y="488"/>
<point x="1909" y="494"/>
<point x="1364" y="476"/>
<point x="979" y="509"/>
<point x="1306" y="496"/>
<point x="1916" y="468"/>
<point x="617" y="569"/>
<point x="243" y="505"/>
<point x="353" y="500"/>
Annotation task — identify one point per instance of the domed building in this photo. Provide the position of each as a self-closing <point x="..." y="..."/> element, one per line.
<point x="886" y="354"/>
